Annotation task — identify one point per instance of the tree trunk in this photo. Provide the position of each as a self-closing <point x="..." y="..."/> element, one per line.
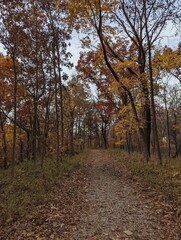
<point x="57" y="120"/>
<point x="56" y="98"/>
<point x="153" y="110"/>
<point x="175" y="135"/>
<point x="45" y="132"/>
<point x="61" y="95"/>
<point x="168" y="125"/>
<point x="104" y="133"/>
<point x="155" y="129"/>
<point x="21" y="155"/>
<point x="28" y="150"/>
<point x="35" y="104"/>
<point x="34" y="132"/>
<point x="4" y="144"/>
<point x="72" y="138"/>
<point x="129" y="142"/>
<point x="147" y="129"/>
<point x="14" y="118"/>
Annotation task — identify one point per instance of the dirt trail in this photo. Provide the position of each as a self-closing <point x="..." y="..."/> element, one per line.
<point x="100" y="201"/>
<point x="116" y="209"/>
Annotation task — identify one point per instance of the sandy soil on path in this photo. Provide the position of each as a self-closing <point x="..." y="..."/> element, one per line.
<point x="99" y="201"/>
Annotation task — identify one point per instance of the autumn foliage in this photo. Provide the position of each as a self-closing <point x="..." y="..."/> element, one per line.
<point x="45" y="112"/>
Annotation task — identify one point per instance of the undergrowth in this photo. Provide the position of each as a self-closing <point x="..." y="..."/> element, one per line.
<point x="164" y="179"/>
<point x="31" y="184"/>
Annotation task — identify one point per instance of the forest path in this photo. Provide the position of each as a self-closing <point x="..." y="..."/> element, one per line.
<point x="99" y="201"/>
<point x="116" y="209"/>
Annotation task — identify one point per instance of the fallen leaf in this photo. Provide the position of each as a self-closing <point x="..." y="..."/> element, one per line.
<point x="128" y="232"/>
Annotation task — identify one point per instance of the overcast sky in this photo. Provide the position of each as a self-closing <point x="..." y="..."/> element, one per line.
<point x="169" y="38"/>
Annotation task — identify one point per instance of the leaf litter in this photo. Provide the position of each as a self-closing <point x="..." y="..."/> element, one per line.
<point x="99" y="201"/>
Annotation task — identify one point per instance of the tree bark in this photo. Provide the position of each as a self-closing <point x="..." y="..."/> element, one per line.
<point x="4" y="143"/>
<point x="15" y="116"/>
<point x="168" y="124"/>
<point x="153" y="103"/>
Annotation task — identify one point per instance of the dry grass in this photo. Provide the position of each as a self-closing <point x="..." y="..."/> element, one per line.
<point x="32" y="183"/>
<point x="164" y="179"/>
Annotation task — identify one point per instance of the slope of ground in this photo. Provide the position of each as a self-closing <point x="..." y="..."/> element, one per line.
<point x="98" y="201"/>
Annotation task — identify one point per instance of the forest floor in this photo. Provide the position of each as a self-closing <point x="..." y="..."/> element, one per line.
<point x="99" y="201"/>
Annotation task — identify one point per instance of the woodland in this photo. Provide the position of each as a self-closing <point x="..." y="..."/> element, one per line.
<point x="122" y="98"/>
<point x="46" y="112"/>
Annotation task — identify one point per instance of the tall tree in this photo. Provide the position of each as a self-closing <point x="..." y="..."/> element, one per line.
<point x="59" y="34"/>
<point x="11" y="36"/>
<point x="113" y="20"/>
